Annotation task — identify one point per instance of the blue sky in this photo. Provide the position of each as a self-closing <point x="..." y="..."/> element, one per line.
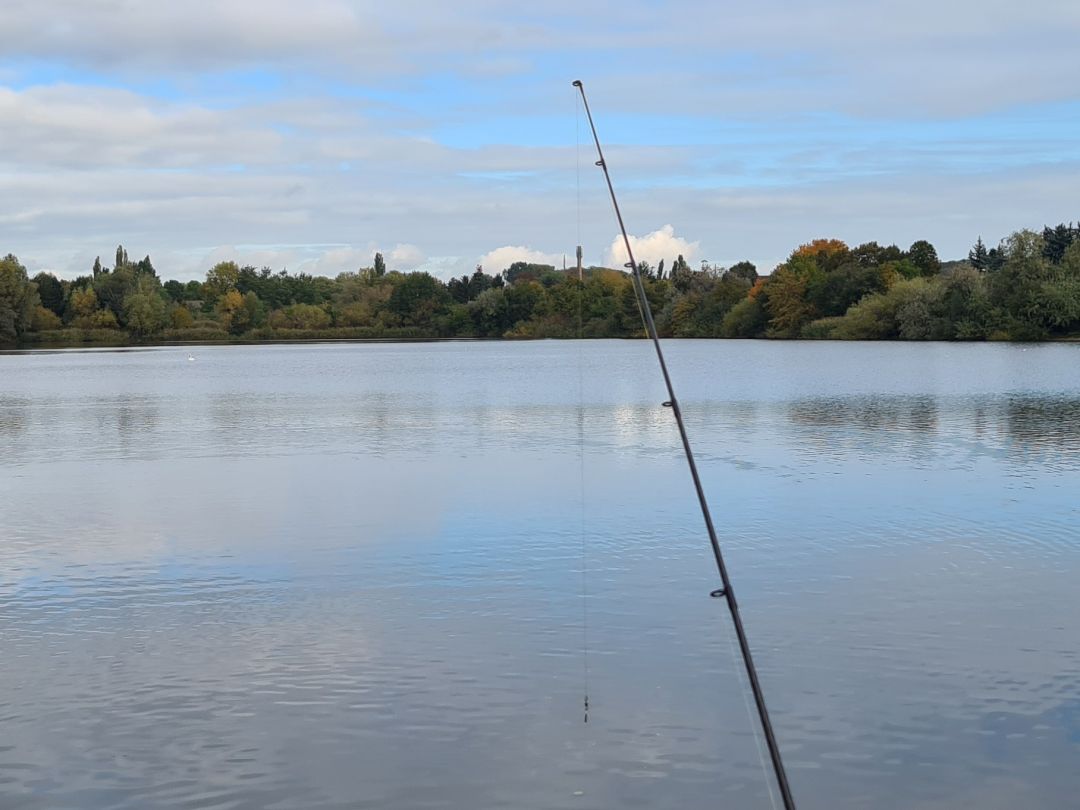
<point x="310" y="135"/>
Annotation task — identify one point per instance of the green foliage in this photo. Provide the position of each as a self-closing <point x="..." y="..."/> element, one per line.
<point x="490" y="313"/>
<point x="965" y="304"/>
<point x="418" y="298"/>
<point x="821" y="329"/>
<point x="180" y="317"/>
<point x="978" y="256"/>
<point x="747" y="319"/>
<point x="44" y="320"/>
<point x="98" y="319"/>
<point x="1026" y="288"/>
<point x="294" y="316"/>
<point x="174" y="291"/>
<point x="832" y="293"/>
<point x="923" y="255"/>
<point x="788" y="307"/>
<point x="744" y="270"/>
<point x="701" y="312"/>
<point x="526" y="271"/>
<point x="145" y="309"/>
<point x="81" y="302"/>
<point x="468" y="288"/>
<point x="18" y="300"/>
<point x="221" y="278"/>
<point x="871" y="254"/>
<point x="114" y="287"/>
<point x="1057" y="240"/>
<point x="51" y="292"/>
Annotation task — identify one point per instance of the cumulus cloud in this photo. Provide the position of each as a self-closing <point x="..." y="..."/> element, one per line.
<point x="405" y="257"/>
<point x="177" y="128"/>
<point x="660" y="244"/>
<point x="497" y="260"/>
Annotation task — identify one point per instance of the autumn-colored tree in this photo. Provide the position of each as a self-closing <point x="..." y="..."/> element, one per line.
<point x="44" y="319"/>
<point x="221" y="278"/>
<point x="83" y="302"/>
<point x="828" y="254"/>
<point x="181" y="318"/>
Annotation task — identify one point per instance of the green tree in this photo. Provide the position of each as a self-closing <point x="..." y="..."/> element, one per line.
<point x="113" y="288"/>
<point x="833" y="293"/>
<point x="51" y="292"/>
<point x="747" y="319"/>
<point x="145" y="310"/>
<point x="145" y="267"/>
<point x="1015" y="286"/>
<point x="966" y="304"/>
<point x="744" y="270"/>
<point x="18" y="300"/>
<point x="490" y="313"/>
<point x="174" y="291"/>
<point x="924" y="256"/>
<point x="82" y="304"/>
<point x="240" y="313"/>
<point x="299" y="316"/>
<point x="379" y="267"/>
<point x="526" y="271"/>
<point x="1057" y="240"/>
<point x="680" y="273"/>
<point x="221" y="278"/>
<point x="522" y="299"/>
<point x="789" y="309"/>
<point x="417" y="298"/>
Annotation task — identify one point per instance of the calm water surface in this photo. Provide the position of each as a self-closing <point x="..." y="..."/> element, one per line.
<point x="351" y="576"/>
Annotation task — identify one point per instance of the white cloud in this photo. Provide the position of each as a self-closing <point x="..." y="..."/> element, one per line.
<point x="85" y="127"/>
<point x="338" y="260"/>
<point x="254" y="124"/>
<point x="497" y="260"/>
<point x="405" y="257"/>
<point x="660" y="244"/>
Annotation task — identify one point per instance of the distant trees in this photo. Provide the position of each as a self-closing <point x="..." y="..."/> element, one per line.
<point x="1027" y="287"/>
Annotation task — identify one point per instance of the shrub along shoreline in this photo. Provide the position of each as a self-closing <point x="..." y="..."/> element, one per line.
<point x="1026" y="288"/>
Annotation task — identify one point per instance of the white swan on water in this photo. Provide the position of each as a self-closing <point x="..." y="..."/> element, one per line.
<point x="191" y="357"/>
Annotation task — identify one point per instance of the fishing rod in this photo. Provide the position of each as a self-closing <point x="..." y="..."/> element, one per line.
<point x="726" y="592"/>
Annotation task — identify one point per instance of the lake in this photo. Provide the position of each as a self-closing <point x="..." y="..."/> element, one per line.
<point x="385" y="575"/>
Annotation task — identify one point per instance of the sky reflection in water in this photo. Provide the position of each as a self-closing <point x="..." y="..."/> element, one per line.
<point x="350" y="576"/>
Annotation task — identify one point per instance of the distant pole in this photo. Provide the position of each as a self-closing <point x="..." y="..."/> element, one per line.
<point x="580" y="269"/>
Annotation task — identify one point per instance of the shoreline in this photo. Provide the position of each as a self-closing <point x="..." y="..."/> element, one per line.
<point x="127" y="342"/>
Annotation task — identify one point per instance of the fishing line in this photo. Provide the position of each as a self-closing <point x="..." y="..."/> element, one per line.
<point x="725" y="592"/>
<point x="581" y="422"/>
<point x="753" y="726"/>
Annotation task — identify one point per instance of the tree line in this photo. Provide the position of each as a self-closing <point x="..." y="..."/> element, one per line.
<point x="1025" y="288"/>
